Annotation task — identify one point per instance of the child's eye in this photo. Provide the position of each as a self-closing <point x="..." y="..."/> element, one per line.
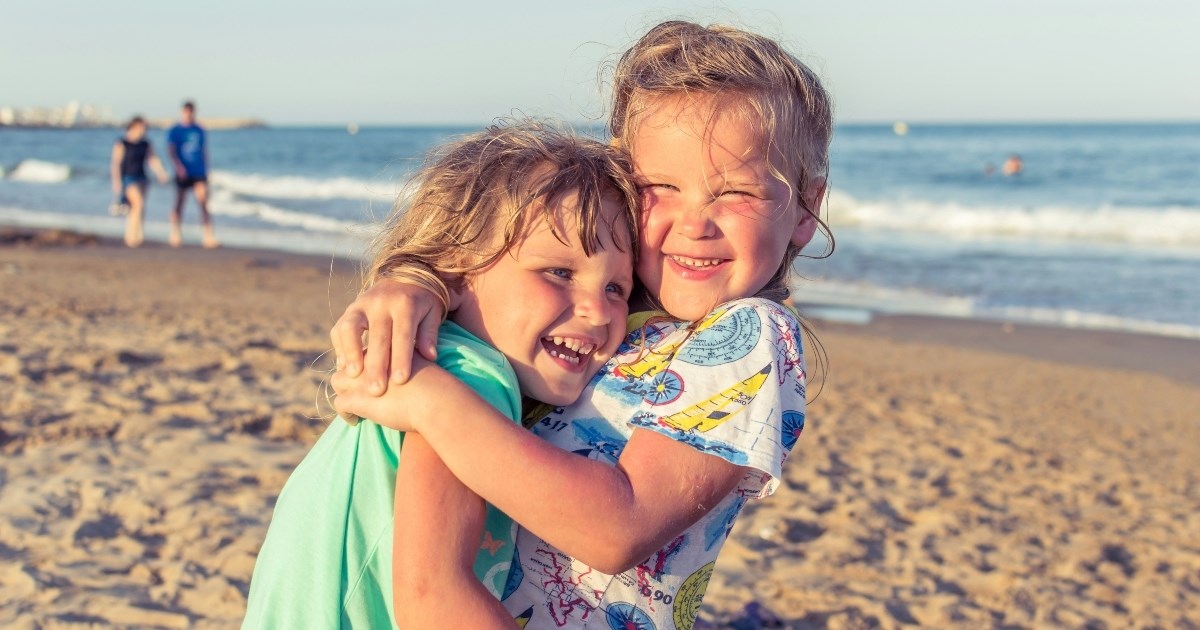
<point x="656" y="188"/>
<point x="559" y="272"/>
<point x="616" y="289"/>
<point x="739" y="193"/>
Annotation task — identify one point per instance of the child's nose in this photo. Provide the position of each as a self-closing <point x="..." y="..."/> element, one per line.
<point x="696" y="223"/>
<point x="592" y="306"/>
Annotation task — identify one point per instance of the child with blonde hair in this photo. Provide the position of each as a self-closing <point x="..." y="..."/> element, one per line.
<point x="625" y="497"/>
<point x="527" y="233"/>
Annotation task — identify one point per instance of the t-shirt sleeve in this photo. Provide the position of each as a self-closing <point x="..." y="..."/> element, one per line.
<point x="493" y="381"/>
<point x="734" y="389"/>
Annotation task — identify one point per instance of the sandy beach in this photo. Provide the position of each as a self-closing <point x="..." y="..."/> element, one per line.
<point x="951" y="474"/>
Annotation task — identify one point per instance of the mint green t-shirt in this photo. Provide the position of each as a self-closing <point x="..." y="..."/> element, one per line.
<point x="327" y="558"/>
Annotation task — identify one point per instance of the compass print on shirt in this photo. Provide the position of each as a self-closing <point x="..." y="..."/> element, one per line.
<point x="665" y="388"/>
<point x="723" y="338"/>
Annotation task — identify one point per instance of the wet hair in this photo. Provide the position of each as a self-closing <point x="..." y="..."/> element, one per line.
<point x="479" y="196"/>
<point x="734" y="73"/>
<point x="136" y="120"/>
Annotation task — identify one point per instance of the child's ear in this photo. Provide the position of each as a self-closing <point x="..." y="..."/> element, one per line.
<point x="811" y="198"/>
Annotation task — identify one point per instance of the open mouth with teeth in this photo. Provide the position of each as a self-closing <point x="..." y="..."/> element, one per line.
<point x="572" y="351"/>
<point x="697" y="264"/>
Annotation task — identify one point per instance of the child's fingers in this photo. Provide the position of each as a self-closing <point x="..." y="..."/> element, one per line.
<point x="340" y="392"/>
<point x="379" y="354"/>
<point x="346" y="391"/>
<point x="346" y="336"/>
<point x="402" y="351"/>
<point x="427" y="334"/>
<point x="404" y="337"/>
<point x="415" y="326"/>
<point x="340" y="382"/>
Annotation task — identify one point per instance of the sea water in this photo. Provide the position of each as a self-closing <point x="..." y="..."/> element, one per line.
<point x="1100" y="230"/>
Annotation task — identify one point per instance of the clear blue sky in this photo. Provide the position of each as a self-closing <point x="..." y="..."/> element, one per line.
<point x="467" y="62"/>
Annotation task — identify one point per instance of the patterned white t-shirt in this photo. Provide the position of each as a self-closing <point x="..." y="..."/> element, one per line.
<point x="734" y="387"/>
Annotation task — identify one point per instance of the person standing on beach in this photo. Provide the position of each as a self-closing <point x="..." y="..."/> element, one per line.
<point x="187" y="145"/>
<point x="128" y="166"/>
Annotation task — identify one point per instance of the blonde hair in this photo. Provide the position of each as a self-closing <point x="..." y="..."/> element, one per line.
<point x="478" y="196"/>
<point x="744" y="74"/>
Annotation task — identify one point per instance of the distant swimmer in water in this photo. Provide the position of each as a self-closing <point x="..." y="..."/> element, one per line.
<point x="1013" y="165"/>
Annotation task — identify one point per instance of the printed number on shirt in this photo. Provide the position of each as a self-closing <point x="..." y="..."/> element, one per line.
<point x="553" y="425"/>
<point x="658" y="595"/>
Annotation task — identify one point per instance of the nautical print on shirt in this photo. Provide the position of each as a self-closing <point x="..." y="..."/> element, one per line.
<point x="734" y="387"/>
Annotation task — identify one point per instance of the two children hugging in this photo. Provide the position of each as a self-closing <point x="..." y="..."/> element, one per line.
<point x="624" y="491"/>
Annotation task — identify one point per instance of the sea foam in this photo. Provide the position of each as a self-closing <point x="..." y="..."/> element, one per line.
<point x="296" y="187"/>
<point x="40" y="172"/>
<point x="225" y="202"/>
<point x="847" y="301"/>
<point x="1172" y="226"/>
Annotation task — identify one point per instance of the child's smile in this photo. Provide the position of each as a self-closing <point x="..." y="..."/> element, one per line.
<point x="556" y="313"/>
<point x="570" y="351"/>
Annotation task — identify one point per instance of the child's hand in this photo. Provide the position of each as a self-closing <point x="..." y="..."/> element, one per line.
<point x="354" y="400"/>
<point x="398" y="408"/>
<point x="397" y="316"/>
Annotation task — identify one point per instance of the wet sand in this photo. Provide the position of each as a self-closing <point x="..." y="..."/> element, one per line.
<point x="952" y="473"/>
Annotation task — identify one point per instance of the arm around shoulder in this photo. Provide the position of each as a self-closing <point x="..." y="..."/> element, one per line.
<point x="664" y="480"/>
<point x="583" y="507"/>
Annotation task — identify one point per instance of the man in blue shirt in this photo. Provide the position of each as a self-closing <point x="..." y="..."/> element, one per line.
<point x="186" y="144"/>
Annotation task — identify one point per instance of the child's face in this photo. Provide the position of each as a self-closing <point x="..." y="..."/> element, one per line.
<point x="716" y="223"/>
<point x="556" y="313"/>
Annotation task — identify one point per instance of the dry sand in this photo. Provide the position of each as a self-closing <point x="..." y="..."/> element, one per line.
<point x="952" y="474"/>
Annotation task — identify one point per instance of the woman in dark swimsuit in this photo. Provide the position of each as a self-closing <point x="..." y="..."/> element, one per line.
<point x="129" y="157"/>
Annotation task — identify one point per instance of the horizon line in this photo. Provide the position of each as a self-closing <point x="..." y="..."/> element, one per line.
<point x="858" y="121"/>
<point x="261" y="123"/>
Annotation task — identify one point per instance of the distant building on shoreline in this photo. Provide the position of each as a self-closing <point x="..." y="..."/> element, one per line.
<point x="73" y="115"/>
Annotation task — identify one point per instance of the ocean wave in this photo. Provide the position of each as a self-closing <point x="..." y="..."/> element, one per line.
<point x="40" y="172"/>
<point x="224" y="202"/>
<point x="1071" y="318"/>
<point x="1173" y="226"/>
<point x="852" y="302"/>
<point x="296" y="187"/>
<point x="882" y="299"/>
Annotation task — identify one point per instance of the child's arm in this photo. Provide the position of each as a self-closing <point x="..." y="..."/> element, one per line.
<point x="438" y="527"/>
<point x="608" y="517"/>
